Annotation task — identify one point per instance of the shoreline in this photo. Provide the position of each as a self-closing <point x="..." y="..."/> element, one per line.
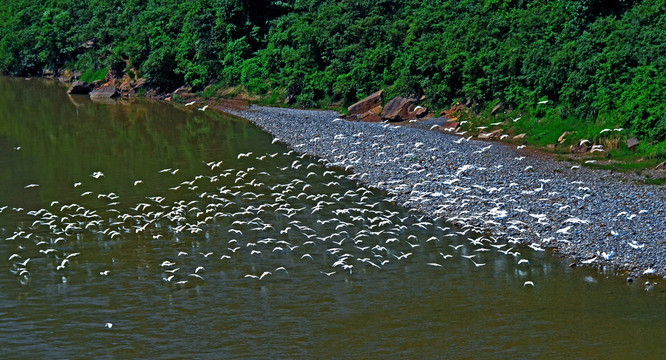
<point x="514" y="195"/>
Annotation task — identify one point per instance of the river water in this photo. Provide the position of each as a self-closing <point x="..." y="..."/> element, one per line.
<point x="139" y="229"/>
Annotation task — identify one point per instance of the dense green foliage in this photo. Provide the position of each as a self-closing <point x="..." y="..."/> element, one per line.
<point x="598" y="61"/>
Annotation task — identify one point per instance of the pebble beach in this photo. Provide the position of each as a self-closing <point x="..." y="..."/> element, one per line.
<point x="511" y="193"/>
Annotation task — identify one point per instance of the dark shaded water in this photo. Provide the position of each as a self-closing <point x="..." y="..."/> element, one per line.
<point x="154" y="263"/>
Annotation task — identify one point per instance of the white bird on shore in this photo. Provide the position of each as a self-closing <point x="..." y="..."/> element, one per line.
<point x="564" y="231"/>
<point x="636" y="245"/>
<point x="543" y="102"/>
<point x="203" y="108"/>
<point x="190" y="103"/>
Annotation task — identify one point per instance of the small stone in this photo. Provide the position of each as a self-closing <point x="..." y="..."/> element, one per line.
<point x="583" y="146"/>
<point x="496" y="108"/>
<point x="563" y="137"/>
<point x="491" y="135"/>
<point x="661" y="166"/>
<point x="632" y="143"/>
<point x="520" y="136"/>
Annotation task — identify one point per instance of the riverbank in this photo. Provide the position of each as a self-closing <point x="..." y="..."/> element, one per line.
<point x="509" y="193"/>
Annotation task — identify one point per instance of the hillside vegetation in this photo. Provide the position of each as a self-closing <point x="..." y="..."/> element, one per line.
<point x="598" y="62"/>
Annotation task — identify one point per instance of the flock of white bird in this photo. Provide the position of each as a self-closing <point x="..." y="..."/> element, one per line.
<point x="250" y="223"/>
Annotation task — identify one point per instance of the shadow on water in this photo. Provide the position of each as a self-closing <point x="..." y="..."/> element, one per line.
<point x="360" y="277"/>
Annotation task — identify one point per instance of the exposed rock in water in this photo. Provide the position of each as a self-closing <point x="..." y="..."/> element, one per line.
<point x="80" y="87"/>
<point x="107" y="90"/>
<point x="397" y="109"/>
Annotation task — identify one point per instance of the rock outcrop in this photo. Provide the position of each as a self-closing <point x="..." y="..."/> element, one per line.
<point x="365" y="105"/>
<point x="368" y="109"/>
<point x="80" y="88"/>
<point x="397" y="109"/>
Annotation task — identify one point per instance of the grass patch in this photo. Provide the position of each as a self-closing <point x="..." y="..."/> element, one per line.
<point x="91" y="75"/>
<point x="544" y="124"/>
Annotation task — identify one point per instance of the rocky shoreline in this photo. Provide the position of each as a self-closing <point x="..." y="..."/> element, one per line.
<point x="506" y="192"/>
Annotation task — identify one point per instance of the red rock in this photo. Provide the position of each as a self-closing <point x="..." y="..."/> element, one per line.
<point x="397" y="109"/>
<point x="367" y="104"/>
<point x="369" y="117"/>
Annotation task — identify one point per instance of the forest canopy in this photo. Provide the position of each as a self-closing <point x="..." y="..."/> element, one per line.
<point x="596" y="60"/>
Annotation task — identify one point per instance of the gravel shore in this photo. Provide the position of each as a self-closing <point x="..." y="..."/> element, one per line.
<point x="586" y="215"/>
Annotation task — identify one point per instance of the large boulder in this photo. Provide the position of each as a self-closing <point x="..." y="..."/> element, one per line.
<point x="107" y="90"/>
<point x="371" y="116"/>
<point x="80" y="87"/>
<point x="367" y="104"/>
<point x="397" y="109"/>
